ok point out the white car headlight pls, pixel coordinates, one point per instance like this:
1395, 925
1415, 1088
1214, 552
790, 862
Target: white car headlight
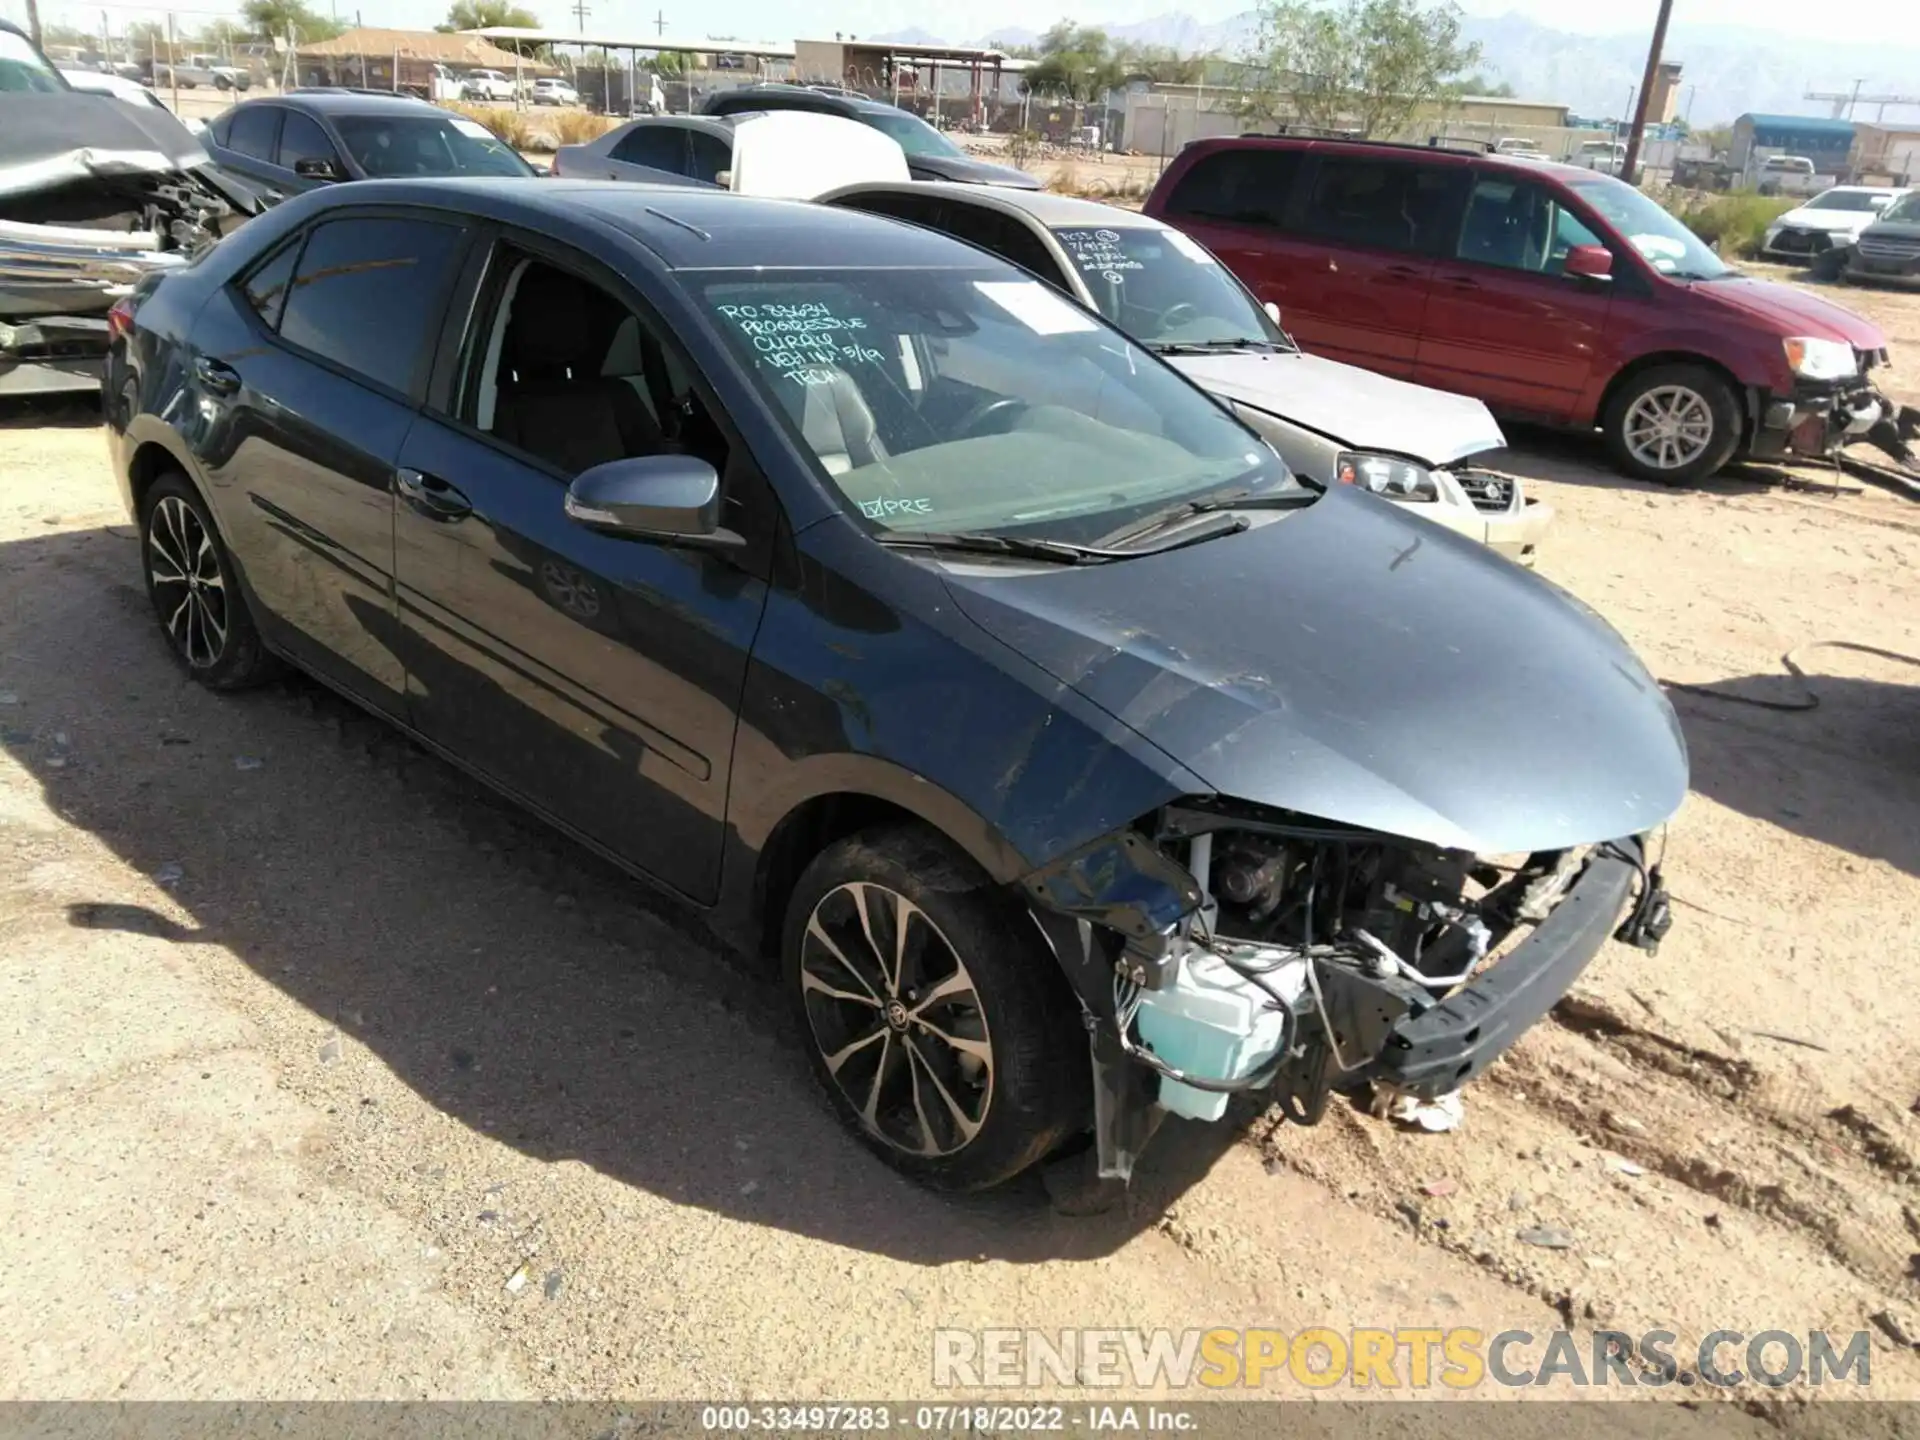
1812, 359
1385, 475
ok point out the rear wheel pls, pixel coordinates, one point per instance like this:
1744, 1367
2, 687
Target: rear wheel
936, 1020
1674, 424
195, 595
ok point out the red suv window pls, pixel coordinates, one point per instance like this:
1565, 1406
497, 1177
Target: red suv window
1244, 186
1388, 205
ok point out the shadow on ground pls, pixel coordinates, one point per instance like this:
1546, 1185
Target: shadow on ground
514, 981
1846, 774
1571, 457
38, 412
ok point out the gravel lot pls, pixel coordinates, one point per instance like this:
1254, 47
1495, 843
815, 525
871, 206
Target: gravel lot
326, 1075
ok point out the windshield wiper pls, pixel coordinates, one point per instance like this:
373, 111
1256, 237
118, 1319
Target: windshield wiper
1210, 347
981, 542
1186, 510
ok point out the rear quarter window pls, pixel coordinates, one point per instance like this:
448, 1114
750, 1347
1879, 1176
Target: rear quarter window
1241, 186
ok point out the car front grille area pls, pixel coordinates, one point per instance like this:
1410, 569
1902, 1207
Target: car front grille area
1879, 248
1802, 242
1487, 491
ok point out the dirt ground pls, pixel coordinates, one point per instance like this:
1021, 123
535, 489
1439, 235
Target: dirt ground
325, 1075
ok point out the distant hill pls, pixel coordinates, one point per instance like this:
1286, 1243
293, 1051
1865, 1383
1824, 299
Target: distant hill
1729, 70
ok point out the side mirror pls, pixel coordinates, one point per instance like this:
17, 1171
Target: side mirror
674, 499
723, 178
1589, 262
1273, 313
316, 168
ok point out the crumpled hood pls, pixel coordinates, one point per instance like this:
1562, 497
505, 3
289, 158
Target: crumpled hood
1792, 312
969, 171
1348, 405
1354, 662
47, 141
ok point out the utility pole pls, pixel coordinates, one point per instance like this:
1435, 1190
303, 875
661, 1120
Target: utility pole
1638, 133
580, 12
659, 22
33, 24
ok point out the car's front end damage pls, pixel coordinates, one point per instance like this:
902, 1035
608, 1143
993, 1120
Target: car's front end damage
94, 195
1221, 947
1819, 417
1408, 793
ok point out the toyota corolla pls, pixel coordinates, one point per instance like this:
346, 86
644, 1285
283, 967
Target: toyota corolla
1078, 763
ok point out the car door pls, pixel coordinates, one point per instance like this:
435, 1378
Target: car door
245, 143
1374, 222
306, 371
1504, 322
596, 678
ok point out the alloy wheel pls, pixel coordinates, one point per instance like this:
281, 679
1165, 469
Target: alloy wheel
1669, 427
190, 591
897, 1020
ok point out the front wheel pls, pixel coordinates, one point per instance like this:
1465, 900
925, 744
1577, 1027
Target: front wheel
195, 593
934, 1016
1674, 424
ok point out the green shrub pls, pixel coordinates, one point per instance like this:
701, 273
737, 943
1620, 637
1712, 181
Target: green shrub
1735, 223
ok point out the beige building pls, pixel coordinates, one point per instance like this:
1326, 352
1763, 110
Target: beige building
1663, 104
1890, 152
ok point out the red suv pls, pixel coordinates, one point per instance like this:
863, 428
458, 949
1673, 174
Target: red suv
1551, 293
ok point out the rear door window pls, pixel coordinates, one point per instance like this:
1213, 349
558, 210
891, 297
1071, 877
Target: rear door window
1243, 187
707, 156
1382, 204
253, 131
1004, 236
266, 288
367, 294
658, 147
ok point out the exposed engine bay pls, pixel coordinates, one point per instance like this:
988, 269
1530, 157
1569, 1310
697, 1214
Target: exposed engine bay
94, 194
1310, 959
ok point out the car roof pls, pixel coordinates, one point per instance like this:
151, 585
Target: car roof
793, 96
1052, 211
348, 102
1403, 150
687, 229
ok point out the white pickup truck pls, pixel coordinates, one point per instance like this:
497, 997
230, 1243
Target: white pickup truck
197, 70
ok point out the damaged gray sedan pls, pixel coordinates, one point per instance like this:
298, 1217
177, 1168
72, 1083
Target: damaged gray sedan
94, 194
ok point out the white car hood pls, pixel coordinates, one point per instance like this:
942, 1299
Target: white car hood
1807, 218
799, 155
1350, 406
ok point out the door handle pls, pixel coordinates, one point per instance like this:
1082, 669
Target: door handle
431, 496
1403, 272
1463, 282
216, 375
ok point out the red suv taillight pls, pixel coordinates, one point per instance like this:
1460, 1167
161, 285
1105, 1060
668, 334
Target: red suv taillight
120, 318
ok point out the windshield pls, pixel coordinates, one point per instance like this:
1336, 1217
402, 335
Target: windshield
979, 400
1663, 242
23, 69
390, 145
1164, 288
1847, 200
1906, 208
910, 132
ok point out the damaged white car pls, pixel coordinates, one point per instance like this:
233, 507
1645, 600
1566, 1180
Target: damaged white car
94, 194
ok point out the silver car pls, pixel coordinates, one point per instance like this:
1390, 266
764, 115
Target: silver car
1332, 423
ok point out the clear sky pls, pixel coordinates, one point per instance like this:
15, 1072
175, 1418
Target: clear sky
1896, 22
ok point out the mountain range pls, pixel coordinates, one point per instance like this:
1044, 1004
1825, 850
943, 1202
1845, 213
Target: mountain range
1728, 71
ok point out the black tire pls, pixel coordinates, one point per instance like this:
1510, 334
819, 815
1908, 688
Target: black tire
1692, 391
974, 970
202, 612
